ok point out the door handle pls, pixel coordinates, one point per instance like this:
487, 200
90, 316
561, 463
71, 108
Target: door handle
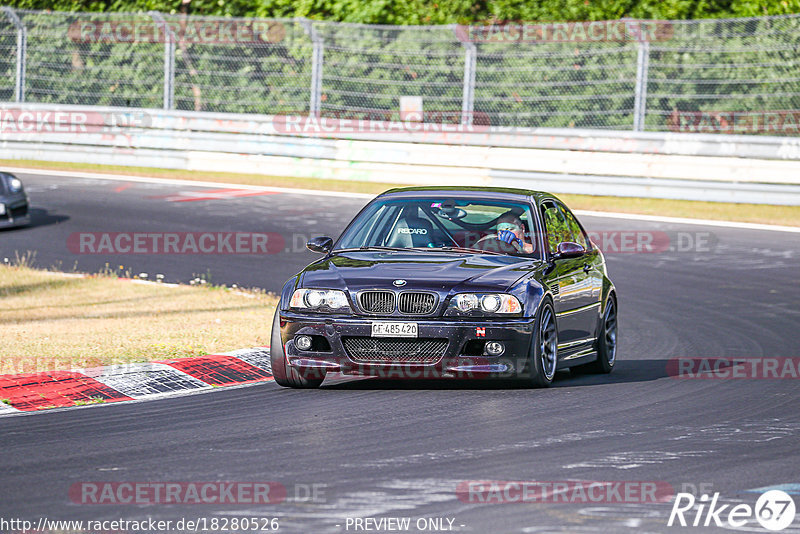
587, 267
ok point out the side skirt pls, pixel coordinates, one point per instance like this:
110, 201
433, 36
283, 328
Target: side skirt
579, 358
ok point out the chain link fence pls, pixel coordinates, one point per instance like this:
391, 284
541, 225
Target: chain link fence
729, 76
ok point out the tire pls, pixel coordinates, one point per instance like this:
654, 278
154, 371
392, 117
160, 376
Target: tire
286, 375
606, 343
543, 354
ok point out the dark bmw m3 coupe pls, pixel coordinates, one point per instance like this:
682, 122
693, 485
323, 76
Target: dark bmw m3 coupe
13, 202
449, 282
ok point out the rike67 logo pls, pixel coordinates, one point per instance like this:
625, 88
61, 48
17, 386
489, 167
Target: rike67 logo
774, 510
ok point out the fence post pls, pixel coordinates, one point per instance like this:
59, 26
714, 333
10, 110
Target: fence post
317, 61
169, 60
22, 52
468, 91
640, 91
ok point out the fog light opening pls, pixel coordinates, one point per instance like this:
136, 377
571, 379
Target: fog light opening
302, 342
494, 348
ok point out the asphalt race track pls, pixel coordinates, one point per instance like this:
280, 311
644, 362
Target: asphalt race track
63, 207
384, 448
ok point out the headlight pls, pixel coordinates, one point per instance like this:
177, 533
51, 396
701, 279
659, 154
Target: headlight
479, 304
15, 185
466, 302
330, 300
2, 209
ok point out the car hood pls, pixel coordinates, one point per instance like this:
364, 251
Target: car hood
423, 270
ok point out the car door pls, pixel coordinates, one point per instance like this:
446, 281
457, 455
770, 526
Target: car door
591, 265
575, 303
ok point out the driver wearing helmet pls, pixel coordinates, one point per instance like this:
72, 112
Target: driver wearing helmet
510, 230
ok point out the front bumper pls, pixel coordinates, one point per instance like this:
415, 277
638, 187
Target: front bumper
462, 358
16, 212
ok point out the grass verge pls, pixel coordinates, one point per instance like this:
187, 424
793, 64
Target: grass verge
55, 321
718, 211
753, 213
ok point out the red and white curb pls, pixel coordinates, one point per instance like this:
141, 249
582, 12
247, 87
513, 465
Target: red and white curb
31, 392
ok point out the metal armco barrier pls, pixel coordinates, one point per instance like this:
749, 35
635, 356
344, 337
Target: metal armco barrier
725, 168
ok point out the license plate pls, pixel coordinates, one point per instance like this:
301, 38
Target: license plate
381, 329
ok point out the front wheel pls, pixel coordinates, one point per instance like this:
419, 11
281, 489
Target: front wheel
543, 354
284, 374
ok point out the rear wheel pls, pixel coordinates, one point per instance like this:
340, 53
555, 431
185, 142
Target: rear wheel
285, 375
543, 354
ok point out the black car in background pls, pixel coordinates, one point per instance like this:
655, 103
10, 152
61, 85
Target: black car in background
13, 202
449, 282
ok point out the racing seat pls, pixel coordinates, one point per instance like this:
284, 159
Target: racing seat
411, 231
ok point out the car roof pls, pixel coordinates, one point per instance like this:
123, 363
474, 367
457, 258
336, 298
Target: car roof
504, 193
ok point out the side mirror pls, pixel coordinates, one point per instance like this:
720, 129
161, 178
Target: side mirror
568, 249
323, 244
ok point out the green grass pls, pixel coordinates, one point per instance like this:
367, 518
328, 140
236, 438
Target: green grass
94, 400
720, 211
52, 321
753, 213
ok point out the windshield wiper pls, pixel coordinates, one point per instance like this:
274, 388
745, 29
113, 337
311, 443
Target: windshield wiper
467, 249
419, 249
375, 247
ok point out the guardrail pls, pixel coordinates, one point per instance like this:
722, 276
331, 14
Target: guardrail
725, 168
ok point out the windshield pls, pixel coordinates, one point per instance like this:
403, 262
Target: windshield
445, 223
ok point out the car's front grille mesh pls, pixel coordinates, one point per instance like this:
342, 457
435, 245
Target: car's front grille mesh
377, 301
394, 350
417, 303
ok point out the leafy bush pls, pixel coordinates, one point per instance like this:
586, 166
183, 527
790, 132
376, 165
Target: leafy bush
440, 12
